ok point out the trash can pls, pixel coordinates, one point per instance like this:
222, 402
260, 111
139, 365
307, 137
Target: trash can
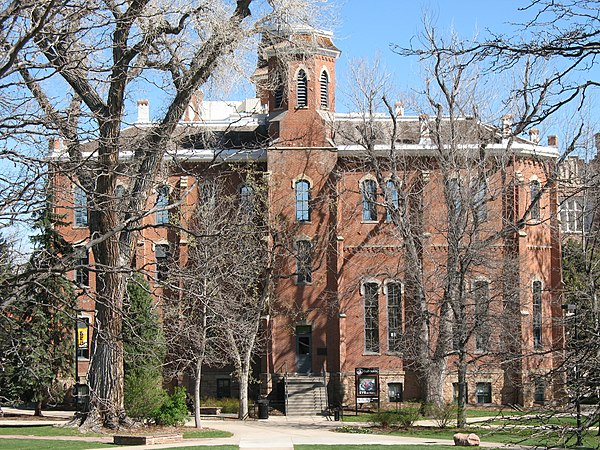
336, 414
263, 408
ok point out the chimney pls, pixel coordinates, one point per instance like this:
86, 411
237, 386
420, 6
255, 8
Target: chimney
507, 121
192, 112
399, 106
597, 142
424, 138
552, 140
143, 111
534, 135
55, 145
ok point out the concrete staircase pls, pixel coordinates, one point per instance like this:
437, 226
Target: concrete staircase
306, 395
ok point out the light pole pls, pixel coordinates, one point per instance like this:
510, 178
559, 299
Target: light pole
571, 310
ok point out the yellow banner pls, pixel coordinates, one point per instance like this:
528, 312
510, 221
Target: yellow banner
82, 337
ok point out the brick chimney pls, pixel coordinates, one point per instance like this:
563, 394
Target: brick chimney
192, 112
55, 145
143, 111
597, 142
425, 138
399, 107
507, 121
534, 135
553, 141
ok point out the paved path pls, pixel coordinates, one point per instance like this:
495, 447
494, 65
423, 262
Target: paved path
275, 433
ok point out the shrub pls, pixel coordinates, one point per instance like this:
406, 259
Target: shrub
403, 418
144, 393
443, 414
173, 411
228, 405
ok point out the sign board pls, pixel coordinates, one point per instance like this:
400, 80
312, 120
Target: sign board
366, 381
82, 335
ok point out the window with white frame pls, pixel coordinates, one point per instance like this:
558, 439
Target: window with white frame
80, 207
392, 199
162, 202
302, 192
572, 217
394, 313
246, 200
371, 295
369, 200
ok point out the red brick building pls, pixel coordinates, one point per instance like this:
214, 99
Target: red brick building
346, 302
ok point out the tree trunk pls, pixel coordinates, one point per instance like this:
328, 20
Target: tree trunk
38, 409
434, 382
244, 376
461, 414
198, 375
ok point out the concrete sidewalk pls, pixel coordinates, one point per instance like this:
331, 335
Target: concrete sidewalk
275, 433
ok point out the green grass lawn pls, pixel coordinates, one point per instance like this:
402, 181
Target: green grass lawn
206, 434
472, 413
45, 430
48, 444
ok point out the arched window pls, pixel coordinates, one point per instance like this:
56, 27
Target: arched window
393, 292
162, 201
324, 80
480, 201
302, 188
246, 199
391, 199
371, 305
301, 90
369, 198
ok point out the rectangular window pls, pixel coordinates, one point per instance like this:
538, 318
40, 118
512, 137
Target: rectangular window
392, 200
539, 395
394, 306
371, 291
82, 267
80, 209
395, 392
572, 215
303, 261
537, 315
162, 202
481, 292
223, 388
483, 393
162, 261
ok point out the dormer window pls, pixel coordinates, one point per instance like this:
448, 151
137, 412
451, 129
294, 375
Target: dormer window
301, 89
324, 81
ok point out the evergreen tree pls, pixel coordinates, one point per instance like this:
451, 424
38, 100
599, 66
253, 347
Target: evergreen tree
144, 346
38, 346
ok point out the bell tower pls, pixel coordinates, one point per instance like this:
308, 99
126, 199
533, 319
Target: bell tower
296, 78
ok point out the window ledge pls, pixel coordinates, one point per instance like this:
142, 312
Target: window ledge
369, 221
80, 226
371, 354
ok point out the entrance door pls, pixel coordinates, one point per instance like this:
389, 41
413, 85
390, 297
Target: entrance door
303, 346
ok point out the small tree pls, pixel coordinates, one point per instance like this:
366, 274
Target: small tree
144, 345
38, 351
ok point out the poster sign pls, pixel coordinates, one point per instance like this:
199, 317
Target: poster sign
82, 335
367, 385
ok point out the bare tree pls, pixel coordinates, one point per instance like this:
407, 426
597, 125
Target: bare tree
453, 198
99, 54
